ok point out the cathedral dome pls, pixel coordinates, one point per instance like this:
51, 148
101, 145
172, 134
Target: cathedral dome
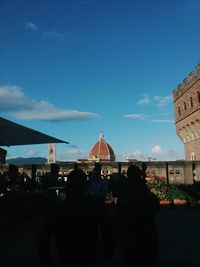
101, 151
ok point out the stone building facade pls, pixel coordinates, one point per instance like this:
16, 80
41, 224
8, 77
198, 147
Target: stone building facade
187, 114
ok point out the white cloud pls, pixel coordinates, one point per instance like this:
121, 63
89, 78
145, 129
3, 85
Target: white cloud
162, 101
53, 34
144, 101
146, 117
76, 152
163, 121
136, 116
73, 155
157, 150
31, 153
136, 154
13, 100
162, 154
158, 101
31, 26
53, 114
155, 153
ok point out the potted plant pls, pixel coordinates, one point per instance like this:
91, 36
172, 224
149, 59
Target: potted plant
159, 186
169, 194
178, 196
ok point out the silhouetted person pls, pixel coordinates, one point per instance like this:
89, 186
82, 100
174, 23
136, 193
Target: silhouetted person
3, 184
82, 229
117, 182
137, 208
98, 186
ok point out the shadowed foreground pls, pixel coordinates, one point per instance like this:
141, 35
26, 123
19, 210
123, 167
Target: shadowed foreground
178, 233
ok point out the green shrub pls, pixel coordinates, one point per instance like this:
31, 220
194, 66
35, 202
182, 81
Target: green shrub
174, 192
163, 190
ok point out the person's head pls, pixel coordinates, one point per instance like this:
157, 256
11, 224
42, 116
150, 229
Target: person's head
97, 168
134, 172
96, 172
77, 182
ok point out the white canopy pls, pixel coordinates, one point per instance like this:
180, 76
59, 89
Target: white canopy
13, 134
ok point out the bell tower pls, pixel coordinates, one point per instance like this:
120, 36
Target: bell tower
187, 114
51, 153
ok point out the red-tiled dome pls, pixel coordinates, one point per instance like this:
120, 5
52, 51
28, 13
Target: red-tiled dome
101, 151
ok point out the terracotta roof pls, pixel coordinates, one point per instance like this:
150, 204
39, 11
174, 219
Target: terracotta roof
102, 151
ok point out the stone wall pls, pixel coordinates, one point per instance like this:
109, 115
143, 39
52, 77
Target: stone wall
175, 172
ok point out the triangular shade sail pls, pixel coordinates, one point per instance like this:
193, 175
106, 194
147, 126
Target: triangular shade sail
13, 134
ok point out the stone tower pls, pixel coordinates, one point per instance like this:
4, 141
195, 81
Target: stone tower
187, 114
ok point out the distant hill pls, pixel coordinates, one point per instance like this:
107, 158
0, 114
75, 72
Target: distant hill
31, 160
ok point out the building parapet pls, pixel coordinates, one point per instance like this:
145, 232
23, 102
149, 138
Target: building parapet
187, 82
174, 172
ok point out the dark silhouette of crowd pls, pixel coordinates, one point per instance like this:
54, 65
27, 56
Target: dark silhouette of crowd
83, 231
81, 226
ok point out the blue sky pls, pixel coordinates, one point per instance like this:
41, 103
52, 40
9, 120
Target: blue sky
73, 69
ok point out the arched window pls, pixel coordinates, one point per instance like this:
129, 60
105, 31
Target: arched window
198, 96
179, 111
192, 156
185, 107
191, 102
